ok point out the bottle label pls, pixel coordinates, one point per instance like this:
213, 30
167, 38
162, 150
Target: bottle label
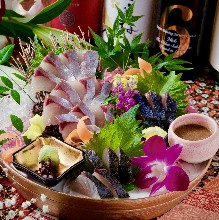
175, 38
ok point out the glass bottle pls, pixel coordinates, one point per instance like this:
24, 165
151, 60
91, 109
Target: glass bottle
214, 53
145, 24
181, 30
79, 16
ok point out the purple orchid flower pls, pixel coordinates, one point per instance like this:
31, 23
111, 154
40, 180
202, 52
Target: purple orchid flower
157, 168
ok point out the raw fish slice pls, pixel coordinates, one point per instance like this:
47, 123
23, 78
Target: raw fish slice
43, 81
67, 123
59, 101
66, 128
90, 64
145, 107
74, 66
111, 162
90, 90
111, 182
97, 84
107, 109
170, 106
125, 167
94, 160
59, 65
54, 106
103, 191
105, 91
155, 101
96, 108
72, 95
50, 112
86, 111
48, 67
39, 71
79, 87
82, 185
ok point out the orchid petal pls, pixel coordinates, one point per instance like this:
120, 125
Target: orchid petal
157, 186
141, 162
173, 153
146, 183
143, 179
176, 179
155, 147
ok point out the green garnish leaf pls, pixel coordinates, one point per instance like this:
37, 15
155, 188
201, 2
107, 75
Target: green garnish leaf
7, 82
17, 123
171, 63
4, 141
19, 76
159, 83
5, 53
129, 187
124, 133
2, 131
16, 96
3, 89
40, 53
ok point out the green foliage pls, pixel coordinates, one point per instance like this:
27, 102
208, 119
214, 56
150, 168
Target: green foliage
48, 13
124, 133
17, 26
15, 95
40, 53
159, 83
119, 52
17, 123
5, 53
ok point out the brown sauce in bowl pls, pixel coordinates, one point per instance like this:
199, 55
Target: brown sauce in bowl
192, 132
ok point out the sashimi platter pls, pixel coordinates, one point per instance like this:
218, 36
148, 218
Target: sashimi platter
103, 130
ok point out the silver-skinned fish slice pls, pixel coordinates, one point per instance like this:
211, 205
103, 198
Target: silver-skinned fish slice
111, 162
82, 186
54, 106
94, 159
67, 123
125, 167
43, 80
111, 182
104, 192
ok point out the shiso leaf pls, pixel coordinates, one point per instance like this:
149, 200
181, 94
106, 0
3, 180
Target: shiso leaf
17, 123
159, 83
124, 133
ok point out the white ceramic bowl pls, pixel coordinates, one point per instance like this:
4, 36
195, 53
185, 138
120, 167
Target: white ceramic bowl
199, 150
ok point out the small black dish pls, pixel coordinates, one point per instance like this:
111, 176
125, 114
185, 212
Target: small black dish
71, 160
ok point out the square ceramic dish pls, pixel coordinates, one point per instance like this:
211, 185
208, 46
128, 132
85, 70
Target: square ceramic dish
71, 160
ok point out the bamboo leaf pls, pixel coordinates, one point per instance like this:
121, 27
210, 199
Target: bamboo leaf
17, 123
11, 13
47, 14
6, 53
16, 96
